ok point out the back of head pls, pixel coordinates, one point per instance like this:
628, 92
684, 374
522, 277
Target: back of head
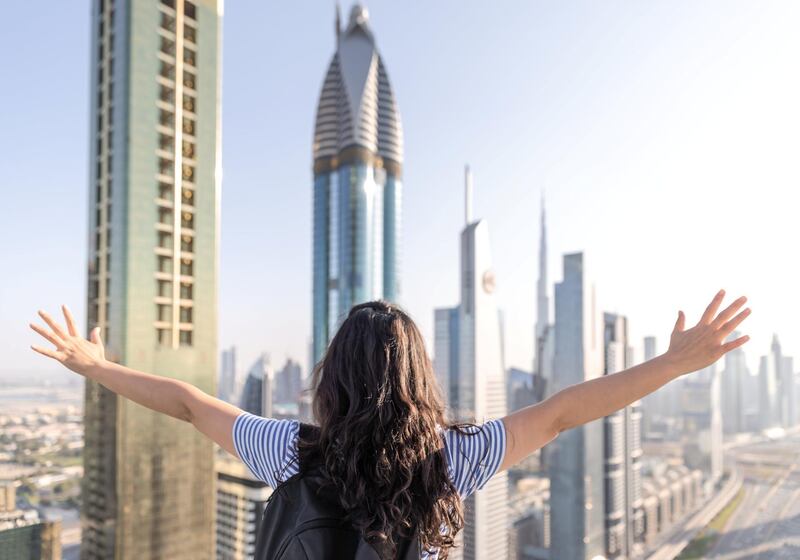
379, 408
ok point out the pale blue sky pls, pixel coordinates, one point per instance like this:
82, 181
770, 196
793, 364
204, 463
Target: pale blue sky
665, 134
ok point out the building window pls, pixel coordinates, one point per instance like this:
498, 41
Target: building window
164, 191
186, 338
189, 10
188, 149
187, 291
170, 3
189, 33
164, 337
165, 240
187, 172
167, 22
187, 244
164, 288
188, 103
166, 93
166, 143
187, 220
167, 46
163, 312
188, 126
188, 79
165, 216
167, 70
187, 267
187, 196
166, 118
189, 57
166, 166
164, 263
186, 314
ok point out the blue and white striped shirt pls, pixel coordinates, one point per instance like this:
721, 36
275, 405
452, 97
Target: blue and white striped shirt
269, 449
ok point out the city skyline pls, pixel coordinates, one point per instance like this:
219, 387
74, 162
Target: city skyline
556, 163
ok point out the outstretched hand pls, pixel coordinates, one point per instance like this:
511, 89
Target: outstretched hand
703, 344
71, 349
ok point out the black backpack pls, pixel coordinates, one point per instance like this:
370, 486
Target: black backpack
304, 521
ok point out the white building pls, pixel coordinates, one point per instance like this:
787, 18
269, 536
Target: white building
474, 380
734, 390
241, 500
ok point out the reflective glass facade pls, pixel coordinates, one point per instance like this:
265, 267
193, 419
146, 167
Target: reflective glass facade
356, 231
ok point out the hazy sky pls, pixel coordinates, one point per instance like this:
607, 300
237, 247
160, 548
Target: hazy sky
666, 136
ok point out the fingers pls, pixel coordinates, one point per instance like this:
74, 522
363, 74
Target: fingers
728, 327
53, 325
48, 335
712, 308
71, 328
49, 353
94, 336
729, 311
733, 344
680, 323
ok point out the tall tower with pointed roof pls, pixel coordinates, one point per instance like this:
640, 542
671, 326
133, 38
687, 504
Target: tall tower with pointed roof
358, 157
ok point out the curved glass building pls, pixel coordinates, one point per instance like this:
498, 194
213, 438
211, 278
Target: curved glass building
358, 156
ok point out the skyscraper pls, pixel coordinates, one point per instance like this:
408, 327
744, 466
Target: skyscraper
258, 388
469, 360
358, 157
227, 376
787, 398
148, 485
544, 346
768, 399
734, 390
575, 462
241, 500
623, 451
702, 419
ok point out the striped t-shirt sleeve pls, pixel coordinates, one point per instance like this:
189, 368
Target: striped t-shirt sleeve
267, 446
475, 456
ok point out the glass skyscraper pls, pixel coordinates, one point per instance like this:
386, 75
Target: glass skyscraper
148, 485
358, 156
575, 461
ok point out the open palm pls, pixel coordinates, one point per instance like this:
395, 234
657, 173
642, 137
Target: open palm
703, 344
71, 349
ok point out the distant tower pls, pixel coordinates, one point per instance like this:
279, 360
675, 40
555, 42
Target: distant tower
258, 388
623, 451
468, 361
734, 390
768, 409
542, 301
575, 462
227, 375
787, 398
358, 157
702, 421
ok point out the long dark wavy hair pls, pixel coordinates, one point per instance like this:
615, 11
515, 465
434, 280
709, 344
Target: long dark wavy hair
379, 407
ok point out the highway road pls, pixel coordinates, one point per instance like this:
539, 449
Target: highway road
766, 525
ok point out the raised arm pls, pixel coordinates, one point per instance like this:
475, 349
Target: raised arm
689, 350
211, 416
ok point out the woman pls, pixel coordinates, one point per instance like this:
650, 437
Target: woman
395, 461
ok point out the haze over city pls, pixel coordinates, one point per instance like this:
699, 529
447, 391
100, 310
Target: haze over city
662, 134
225, 193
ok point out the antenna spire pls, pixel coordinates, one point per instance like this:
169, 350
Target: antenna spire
338, 23
467, 195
